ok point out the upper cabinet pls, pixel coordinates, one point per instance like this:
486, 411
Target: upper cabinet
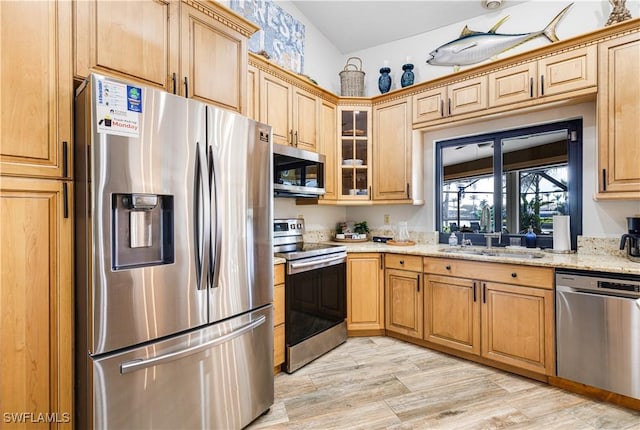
392, 150
36, 89
618, 114
327, 145
555, 74
461, 97
193, 48
354, 153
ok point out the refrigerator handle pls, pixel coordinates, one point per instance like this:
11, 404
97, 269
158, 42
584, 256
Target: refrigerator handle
138, 364
201, 227
216, 236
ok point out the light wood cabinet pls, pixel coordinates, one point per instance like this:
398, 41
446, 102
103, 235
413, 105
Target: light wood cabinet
328, 146
253, 93
354, 153
36, 89
502, 312
291, 112
36, 303
458, 98
403, 298
555, 74
452, 313
365, 294
618, 114
278, 316
192, 48
392, 150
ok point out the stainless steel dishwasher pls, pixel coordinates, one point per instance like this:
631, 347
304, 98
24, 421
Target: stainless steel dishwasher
598, 330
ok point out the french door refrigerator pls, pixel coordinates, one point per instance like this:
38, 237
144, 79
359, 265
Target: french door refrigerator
173, 262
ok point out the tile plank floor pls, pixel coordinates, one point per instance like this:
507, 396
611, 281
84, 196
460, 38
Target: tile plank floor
384, 383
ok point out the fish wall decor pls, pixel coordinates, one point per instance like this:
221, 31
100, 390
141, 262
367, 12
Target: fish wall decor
476, 46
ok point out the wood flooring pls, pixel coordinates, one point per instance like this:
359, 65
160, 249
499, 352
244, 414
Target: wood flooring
384, 383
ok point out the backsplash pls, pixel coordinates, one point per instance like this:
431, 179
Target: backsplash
600, 246
421, 237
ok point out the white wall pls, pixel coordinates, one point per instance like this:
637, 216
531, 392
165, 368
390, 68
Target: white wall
316, 217
583, 17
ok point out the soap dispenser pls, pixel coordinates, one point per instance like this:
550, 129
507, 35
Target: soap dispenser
453, 240
530, 238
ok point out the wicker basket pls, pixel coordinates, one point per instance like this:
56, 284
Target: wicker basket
352, 81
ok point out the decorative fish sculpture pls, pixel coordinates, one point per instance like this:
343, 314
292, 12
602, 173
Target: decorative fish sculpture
476, 46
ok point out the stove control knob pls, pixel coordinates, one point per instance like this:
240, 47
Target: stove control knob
299, 226
292, 226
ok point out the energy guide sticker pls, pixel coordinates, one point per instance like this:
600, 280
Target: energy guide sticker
118, 108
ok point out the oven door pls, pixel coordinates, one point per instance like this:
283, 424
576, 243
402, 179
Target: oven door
315, 306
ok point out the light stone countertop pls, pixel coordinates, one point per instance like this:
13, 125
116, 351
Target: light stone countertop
279, 260
603, 263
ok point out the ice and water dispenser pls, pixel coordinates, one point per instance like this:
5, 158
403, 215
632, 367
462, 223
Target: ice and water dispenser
142, 230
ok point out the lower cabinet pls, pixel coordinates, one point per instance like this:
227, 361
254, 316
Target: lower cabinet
365, 294
278, 316
403, 295
511, 323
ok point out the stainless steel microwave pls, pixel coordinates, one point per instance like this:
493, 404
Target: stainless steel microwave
297, 173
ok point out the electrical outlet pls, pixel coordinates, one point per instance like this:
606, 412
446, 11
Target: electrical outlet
387, 219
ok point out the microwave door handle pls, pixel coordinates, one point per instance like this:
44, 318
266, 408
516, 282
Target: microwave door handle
216, 236
141, 363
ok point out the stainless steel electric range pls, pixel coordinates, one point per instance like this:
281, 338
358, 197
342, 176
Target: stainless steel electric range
315, 294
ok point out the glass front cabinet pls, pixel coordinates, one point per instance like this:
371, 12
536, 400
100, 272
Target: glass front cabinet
355, 153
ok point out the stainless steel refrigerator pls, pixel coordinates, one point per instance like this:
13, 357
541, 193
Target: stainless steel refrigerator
173, 261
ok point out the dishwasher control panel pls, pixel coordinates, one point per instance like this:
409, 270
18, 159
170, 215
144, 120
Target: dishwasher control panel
600, 283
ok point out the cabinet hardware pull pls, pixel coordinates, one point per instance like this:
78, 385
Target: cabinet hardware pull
514, 275
408, 195
418, 282
382, 262
604, 179
441, 107
474, 291
542, 85
448, 267
174, 79
370, 193
65, 161
296, 135
531, 87
65, 200
484, 292
401, 261
186, 87
290, 137
449, 107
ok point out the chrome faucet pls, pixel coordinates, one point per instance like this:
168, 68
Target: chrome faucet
490, 236
465, 242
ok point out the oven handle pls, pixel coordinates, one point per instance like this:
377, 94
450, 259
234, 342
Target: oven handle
306, 266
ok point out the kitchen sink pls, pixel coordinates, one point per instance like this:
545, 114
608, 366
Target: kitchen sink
495, 252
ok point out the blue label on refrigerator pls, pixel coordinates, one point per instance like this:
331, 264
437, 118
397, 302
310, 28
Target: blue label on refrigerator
134, 99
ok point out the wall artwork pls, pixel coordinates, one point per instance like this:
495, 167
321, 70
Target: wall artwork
281, 35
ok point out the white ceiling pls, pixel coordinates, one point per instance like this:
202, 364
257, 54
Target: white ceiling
353, 25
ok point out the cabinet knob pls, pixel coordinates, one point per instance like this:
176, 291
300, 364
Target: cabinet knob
401, 261
448, 267
514, 275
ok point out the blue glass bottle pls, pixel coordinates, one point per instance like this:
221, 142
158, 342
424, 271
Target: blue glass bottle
384, 81
407, 75
530, 238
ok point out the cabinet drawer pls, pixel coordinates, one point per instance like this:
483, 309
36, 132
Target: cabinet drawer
540, 277
278, 345
278, 304
278, 274
403, 262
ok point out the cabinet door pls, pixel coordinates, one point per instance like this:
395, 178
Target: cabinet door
355, 153
514, 84
568, 71
136, 39
467, 96
618, 113
517, 326
275, 108
35, 298
35, 88
214, 60
365, 292
403, 302
429, 105
392, 150
305, 120
253, 93
328, 146
452, 313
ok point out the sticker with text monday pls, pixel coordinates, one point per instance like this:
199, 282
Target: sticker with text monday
118, 108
